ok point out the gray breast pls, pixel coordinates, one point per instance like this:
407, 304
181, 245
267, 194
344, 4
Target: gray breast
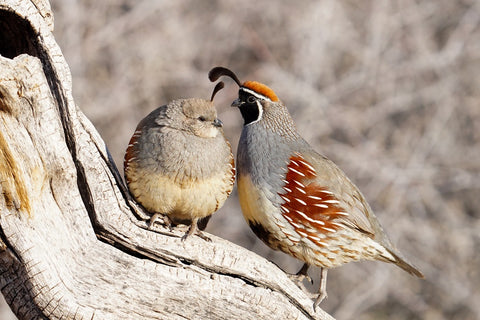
177, 153
264, 156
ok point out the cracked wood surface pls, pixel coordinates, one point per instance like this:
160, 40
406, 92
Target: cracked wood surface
72, 244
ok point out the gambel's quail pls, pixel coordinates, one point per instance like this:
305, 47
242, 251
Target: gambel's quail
295, 199
179, 164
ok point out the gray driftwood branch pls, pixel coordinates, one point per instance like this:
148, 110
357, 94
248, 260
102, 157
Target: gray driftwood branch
72, 245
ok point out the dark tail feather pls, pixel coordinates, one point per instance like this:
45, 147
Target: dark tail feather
202, 223
407, 266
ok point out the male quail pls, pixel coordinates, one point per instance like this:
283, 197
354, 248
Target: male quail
295, 199
178, 162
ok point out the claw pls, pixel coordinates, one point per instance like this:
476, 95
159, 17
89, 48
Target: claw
301, 275
157, 217
194, 230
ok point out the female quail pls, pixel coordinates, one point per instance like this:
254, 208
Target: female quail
178, 162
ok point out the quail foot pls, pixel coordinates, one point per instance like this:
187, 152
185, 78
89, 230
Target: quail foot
179, 164
295, 199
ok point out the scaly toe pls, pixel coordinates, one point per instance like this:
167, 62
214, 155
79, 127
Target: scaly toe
156, 217
299, 277
194, 230
199, 234
321, 296
204, 236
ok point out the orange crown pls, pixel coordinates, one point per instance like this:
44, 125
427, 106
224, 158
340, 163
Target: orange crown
260, 88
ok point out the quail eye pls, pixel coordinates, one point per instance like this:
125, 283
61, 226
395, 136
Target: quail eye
251, 99
202, 118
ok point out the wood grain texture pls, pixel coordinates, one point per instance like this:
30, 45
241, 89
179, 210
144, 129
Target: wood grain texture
72, 243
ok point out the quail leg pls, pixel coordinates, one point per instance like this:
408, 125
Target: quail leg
194, 230
157, 217
301, 275
322, 291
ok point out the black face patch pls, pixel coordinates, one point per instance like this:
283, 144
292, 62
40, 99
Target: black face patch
249, 108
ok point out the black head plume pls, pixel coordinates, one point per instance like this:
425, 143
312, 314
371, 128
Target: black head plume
217, 72
217, 88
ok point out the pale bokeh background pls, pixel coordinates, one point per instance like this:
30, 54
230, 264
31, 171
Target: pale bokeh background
389, 90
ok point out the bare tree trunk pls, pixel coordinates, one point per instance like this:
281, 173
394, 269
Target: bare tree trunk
72, 245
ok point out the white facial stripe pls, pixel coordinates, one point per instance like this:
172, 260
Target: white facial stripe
256, 94
260, 112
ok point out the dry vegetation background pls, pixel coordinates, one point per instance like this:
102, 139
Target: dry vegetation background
389, 90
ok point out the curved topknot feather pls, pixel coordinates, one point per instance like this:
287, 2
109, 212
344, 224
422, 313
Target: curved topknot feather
217, 72
217, 88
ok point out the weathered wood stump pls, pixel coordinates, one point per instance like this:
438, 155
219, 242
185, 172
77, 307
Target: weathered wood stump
72, 243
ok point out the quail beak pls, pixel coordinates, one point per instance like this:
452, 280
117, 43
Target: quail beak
217, 123
237, 103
